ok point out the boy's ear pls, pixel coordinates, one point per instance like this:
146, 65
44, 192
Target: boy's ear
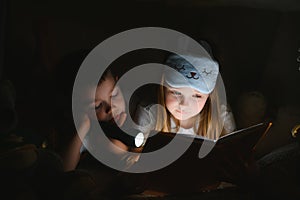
117, 78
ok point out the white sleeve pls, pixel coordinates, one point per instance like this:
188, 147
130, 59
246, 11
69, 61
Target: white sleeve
145, 118
227, 116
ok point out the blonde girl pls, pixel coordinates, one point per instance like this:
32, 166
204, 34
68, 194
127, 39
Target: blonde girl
190, 97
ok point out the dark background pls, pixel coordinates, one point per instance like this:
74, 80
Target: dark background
256, 43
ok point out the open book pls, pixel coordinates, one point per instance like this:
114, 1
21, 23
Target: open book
190, 171
249, 136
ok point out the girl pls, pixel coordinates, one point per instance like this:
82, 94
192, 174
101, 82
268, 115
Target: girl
191, 102
190, 97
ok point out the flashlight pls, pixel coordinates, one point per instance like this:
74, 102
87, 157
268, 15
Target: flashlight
129, 136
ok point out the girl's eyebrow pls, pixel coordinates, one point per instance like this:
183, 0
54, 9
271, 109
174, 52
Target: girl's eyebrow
196, 92
173, 90
170, 88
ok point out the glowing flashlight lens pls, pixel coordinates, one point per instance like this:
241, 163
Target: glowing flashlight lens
139, 139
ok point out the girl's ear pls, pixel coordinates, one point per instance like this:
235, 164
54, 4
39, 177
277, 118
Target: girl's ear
117, 78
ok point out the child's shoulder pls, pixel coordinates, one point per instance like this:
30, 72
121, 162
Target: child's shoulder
145, 116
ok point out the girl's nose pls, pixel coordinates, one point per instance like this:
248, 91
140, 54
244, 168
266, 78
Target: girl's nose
182, 101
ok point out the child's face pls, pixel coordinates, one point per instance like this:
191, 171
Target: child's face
109, 100
184, 103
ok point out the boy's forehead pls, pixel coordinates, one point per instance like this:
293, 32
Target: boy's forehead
107, 83
106, 75
99, 91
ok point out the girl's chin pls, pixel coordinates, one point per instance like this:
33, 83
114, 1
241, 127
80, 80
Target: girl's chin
180, 118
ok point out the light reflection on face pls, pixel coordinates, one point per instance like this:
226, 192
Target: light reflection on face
184, 103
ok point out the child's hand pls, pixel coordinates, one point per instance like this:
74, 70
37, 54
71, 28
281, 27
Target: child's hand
130, 159
122, 150
118, 147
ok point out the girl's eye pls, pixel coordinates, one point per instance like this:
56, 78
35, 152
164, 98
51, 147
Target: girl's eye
115, 93
98, 106
197, 96
176, 93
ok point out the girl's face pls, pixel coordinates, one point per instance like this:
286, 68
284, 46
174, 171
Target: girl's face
109, 101
184, 103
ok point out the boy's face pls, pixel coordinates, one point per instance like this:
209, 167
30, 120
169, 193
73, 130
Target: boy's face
184, 103
109, 101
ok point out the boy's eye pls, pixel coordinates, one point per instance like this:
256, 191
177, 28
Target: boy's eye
98, 106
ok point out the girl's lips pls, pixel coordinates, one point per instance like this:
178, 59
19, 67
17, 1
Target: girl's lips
180, 111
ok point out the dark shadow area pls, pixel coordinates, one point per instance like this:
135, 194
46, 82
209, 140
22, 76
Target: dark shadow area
257, 47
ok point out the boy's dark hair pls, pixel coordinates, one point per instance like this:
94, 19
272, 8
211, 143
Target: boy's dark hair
105, 74
64, 78
66, 71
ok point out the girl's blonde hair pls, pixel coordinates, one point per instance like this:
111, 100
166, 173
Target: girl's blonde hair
209, 122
